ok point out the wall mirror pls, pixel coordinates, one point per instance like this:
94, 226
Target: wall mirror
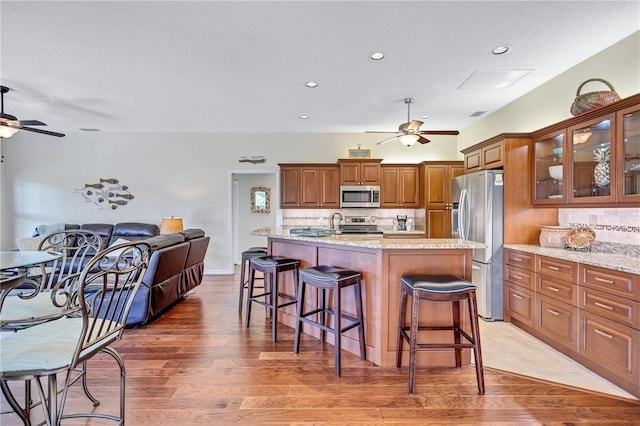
260, 199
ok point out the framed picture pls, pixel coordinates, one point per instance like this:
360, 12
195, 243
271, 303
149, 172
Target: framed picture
359, 153
260, 199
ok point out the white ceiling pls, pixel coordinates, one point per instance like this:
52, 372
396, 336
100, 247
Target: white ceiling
241, 66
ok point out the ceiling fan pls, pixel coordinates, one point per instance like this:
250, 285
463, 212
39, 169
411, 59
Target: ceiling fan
9, 124
410, 133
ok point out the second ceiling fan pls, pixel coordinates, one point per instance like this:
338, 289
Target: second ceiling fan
409, 133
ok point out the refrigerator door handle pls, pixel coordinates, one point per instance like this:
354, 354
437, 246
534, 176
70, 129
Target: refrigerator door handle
475, 268
462, 214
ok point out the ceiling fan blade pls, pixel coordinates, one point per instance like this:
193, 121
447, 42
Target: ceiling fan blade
439, 132
414, 125
44, 132
387, 140
423, 140
31, 123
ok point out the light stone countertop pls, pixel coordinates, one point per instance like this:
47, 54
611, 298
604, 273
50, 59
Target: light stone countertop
614, 261
373, 242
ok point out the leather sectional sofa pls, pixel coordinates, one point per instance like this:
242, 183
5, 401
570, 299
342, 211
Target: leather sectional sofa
176, 265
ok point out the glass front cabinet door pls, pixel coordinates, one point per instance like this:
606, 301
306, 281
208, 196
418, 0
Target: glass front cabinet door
592, 179
628, 160
549, 169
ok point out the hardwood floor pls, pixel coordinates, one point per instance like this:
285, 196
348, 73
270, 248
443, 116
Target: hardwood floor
198, 364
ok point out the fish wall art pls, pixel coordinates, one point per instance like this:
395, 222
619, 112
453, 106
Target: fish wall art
106, 193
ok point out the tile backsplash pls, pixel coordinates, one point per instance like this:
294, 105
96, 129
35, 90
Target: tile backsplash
617, 230
319, 218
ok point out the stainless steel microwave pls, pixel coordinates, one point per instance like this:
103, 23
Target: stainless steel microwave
359, 196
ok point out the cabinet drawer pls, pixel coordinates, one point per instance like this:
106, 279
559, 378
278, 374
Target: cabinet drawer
558, 289
612, 307
520, 303
519, 276
520, 259
557, 320
563, 269
611, 281
613, 346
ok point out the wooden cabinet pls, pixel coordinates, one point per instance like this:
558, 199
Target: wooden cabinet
590, 313
309, 186
484, 157
599, 155
359, 171
399, 186
628, 154
437, 195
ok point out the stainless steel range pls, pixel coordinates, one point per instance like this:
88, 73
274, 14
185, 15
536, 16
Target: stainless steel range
360, 225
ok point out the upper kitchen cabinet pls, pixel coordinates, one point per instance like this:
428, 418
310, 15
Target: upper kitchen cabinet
309, 186
548, 169
359, 171
484, 156
400, 186
590, 160
438, 198
591, 148
628, 154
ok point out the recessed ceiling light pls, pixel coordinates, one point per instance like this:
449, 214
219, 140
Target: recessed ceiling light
304, 117
88, 129
500, 50
312, 84
376, 56
424, 117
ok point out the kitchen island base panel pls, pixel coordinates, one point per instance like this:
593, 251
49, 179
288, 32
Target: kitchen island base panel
381, 270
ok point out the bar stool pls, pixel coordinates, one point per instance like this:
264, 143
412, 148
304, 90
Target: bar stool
271, 266
333, 279
438, 288
247, 255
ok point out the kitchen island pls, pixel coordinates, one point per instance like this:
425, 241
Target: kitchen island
382, 261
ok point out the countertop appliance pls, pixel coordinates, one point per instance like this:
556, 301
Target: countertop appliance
367, 196
361, 225
402, 222
478, 211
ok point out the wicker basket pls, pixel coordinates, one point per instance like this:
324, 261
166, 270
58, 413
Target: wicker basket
554, 236
593, 100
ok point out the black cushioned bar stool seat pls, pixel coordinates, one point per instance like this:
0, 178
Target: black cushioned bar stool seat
271, 266
333, 279
247, 255
438, 288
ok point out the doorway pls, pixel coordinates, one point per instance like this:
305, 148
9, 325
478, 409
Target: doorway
243, 220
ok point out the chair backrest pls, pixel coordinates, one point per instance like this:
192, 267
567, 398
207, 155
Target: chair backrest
77, 248
106, 289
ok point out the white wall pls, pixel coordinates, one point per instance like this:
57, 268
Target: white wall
550, 103
248, 221
185, 175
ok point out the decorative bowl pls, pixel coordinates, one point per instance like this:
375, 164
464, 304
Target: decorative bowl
556, 172
554, 236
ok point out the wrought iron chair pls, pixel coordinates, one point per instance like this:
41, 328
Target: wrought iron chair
44, 295
104, 294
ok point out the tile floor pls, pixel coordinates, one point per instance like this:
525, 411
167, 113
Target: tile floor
506, 347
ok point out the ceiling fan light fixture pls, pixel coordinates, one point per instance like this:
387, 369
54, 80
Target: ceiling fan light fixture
409, 140
6, 131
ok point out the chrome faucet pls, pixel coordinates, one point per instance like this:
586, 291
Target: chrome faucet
332, 217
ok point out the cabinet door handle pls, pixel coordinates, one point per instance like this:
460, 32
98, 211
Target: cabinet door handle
517, 296
603, 280
603, 306
554, 289
517, 259
517, 277
602, 333
553, 268
553, 312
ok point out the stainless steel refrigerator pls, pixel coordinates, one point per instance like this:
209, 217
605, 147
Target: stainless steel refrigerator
478, 210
